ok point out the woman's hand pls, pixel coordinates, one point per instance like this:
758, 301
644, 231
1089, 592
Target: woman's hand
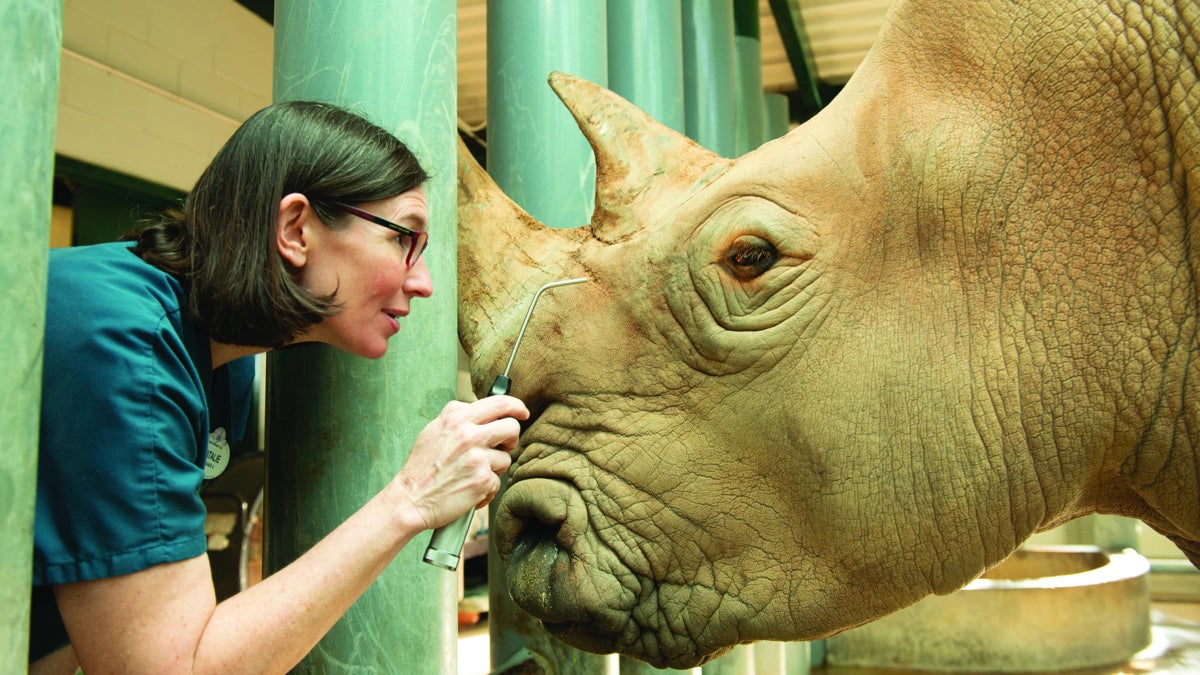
458, 458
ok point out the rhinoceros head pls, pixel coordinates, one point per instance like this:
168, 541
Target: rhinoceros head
856, 366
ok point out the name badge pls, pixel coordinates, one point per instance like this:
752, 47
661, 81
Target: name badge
218, 454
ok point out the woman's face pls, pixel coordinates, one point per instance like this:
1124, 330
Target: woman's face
365, 263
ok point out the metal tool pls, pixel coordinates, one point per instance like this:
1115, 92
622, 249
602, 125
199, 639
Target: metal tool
446, 544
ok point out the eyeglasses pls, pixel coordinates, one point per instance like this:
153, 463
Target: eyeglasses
416, 240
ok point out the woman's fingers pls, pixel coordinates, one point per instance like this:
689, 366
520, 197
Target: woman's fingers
497, 419
457, 460
495, 407
503, 434
493, 490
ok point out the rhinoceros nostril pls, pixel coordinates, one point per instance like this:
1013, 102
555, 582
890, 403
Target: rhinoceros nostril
532, 533
532, 514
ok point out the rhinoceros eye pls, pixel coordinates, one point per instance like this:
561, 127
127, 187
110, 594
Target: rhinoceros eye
750, 257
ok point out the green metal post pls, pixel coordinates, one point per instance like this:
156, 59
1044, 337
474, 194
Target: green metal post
645, 57
748, 60
710, 92
29, 56
536, 153
339, 426
538, 156
776, 108
799, 657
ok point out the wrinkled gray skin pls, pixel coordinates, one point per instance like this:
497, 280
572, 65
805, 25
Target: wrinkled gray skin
861, 364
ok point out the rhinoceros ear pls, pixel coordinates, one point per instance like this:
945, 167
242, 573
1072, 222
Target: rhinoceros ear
631, 149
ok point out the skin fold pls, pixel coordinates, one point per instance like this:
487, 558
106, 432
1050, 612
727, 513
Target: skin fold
861, 364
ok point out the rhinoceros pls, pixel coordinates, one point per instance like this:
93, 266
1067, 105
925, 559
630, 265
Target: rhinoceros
859, 365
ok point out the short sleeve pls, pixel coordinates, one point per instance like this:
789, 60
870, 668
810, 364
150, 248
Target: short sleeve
123, 423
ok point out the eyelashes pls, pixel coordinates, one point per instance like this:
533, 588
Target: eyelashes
750, 257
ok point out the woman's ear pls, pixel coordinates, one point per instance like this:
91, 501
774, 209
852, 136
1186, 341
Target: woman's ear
291, 233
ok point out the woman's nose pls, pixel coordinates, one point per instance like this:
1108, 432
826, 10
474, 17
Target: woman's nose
418, 282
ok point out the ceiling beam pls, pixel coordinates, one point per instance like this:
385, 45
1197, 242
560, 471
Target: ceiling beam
795, 43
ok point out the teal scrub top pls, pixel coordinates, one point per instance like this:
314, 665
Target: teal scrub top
130, 404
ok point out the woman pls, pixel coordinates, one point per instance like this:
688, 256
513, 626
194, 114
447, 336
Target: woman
308, 226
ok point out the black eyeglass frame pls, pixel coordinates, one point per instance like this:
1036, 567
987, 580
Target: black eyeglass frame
419, 239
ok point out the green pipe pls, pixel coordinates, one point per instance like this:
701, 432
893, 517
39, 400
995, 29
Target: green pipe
799, 657
29, 56
790, 23
645, 57
709, 75
751, 116
748, 59
339, 427
536, 153
775, 107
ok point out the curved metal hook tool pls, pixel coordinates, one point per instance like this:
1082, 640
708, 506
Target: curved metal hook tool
502, 384
446, 544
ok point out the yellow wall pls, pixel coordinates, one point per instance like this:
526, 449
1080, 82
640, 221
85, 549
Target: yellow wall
152, 88
61, 219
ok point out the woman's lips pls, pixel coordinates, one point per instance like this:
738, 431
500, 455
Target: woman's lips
393, 320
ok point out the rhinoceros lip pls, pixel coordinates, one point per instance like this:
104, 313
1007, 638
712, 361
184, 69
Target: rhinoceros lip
532, 511
545, 572
583, 636
536, 530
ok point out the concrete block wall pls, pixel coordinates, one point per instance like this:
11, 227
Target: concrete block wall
152, 88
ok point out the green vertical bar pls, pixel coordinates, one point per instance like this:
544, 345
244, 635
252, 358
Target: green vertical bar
536, 153
709, 75
645, 57
749, 82
538, 156
29, 56
775, 106
339, 426
798, 657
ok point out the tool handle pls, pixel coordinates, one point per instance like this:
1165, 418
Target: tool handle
446, 544
500, 386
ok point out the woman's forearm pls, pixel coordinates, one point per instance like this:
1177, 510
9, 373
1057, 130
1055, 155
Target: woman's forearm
272, 625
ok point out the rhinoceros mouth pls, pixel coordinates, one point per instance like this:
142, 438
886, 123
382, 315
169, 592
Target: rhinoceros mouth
560, 571
584, 636
538, 528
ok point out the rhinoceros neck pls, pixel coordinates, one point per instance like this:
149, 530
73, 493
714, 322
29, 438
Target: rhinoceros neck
1163, 470
1078, 145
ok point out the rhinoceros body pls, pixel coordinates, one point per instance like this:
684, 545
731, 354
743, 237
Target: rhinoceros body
861, 364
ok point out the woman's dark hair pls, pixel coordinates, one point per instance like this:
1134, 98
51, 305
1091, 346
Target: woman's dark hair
222, 245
